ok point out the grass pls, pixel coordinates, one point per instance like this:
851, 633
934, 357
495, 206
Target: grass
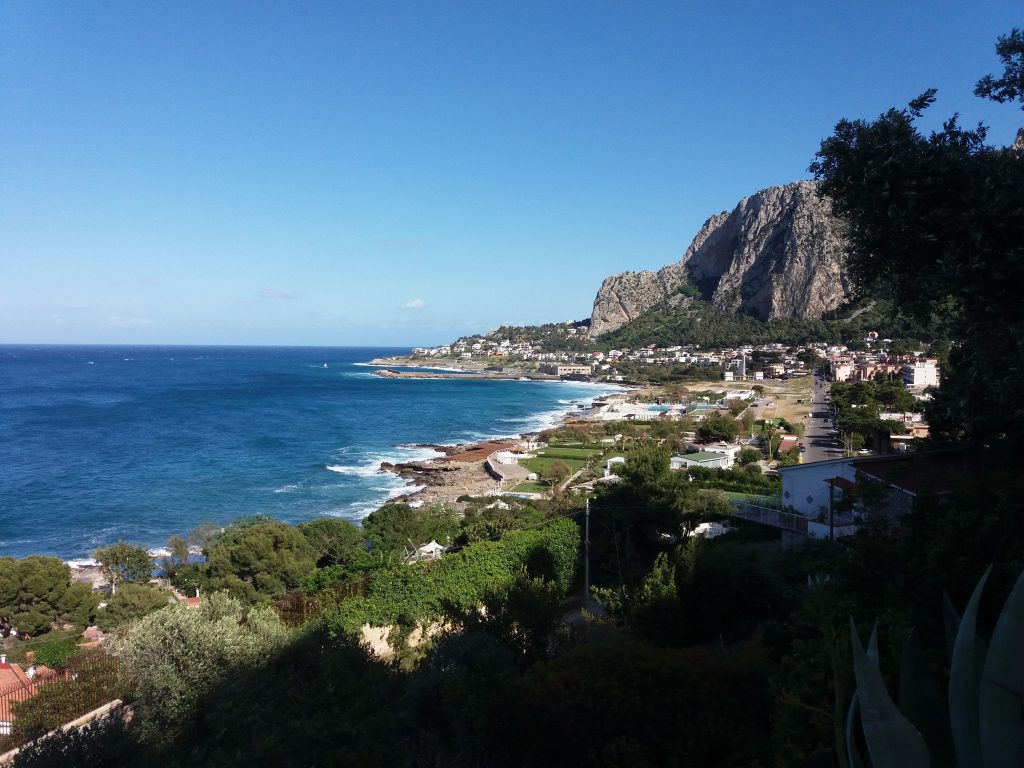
531, 486
16, 649
540, 464
569, 453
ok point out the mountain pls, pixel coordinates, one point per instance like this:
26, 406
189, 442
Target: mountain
777, 254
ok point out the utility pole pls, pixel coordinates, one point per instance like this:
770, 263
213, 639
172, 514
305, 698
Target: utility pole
586, 553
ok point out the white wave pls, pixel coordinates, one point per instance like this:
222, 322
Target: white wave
405, 490
365, 470
84, 562
288, 488
158, 552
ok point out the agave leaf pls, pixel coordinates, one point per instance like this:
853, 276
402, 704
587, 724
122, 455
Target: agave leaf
853, 758
951, 621
892, 740
872, 651
921, 703
1001, 698
964, 678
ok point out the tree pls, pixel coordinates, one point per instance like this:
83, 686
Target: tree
130, 602
337, 543
36, 592
123, 562
259, 558
936, 222
718, 427
1009, 87
177, 557
555, 473
395, 527
748, 456
176, 656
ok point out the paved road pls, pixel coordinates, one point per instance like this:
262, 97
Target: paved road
822, 440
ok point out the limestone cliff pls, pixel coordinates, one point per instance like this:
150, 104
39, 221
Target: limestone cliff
777, 254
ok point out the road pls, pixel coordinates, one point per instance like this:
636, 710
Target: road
822, 440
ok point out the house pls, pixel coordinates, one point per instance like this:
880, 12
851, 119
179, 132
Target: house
16, 685
705, 459
825, 492
729, 449
921, 374
614, 460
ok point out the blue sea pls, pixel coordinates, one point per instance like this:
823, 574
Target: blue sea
141, 443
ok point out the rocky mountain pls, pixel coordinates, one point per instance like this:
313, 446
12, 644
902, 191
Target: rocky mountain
777, 254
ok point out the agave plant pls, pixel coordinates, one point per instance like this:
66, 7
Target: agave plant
983, 724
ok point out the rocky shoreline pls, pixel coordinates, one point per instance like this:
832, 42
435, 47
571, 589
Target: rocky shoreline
460, 472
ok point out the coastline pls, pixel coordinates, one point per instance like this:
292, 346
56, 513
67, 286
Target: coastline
462, 470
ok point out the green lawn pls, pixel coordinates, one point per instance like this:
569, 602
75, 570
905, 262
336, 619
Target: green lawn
559, 452
540, 464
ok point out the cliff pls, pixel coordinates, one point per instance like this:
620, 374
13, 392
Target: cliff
777, 254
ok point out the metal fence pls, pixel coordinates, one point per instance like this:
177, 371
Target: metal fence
776, 518
51, 698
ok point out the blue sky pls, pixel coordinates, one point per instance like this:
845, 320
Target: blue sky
351, 173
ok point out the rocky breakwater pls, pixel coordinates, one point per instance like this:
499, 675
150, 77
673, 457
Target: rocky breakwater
461, 472
778, 253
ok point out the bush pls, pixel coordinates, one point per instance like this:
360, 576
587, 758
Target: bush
56, 652
409, 594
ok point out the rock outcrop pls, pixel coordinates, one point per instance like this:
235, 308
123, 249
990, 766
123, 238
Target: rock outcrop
777, 254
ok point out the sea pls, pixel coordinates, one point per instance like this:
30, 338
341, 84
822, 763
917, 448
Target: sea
102, 443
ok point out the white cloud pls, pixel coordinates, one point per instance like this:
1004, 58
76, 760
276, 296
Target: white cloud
415, 304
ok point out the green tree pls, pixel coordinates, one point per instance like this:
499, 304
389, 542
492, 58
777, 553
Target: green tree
123, 562
335, 541
555, 473
178, 655
256, 559
935, 221
1009, 87
748, 456
36, 592
718, 427
395, 527
130, 602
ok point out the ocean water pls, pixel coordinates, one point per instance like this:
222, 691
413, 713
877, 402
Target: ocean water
141, 443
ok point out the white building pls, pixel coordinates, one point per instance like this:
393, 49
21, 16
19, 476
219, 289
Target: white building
705, 459
921, 374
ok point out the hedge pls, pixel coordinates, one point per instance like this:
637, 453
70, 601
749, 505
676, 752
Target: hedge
411, 594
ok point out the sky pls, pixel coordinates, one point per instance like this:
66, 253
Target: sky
404, 173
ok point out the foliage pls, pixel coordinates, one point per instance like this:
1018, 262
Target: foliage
130, 602
716, 712
124, 563
556, 472
55, 653
257, 559
397, 527
410, 594
718, 426
1009, 87
178, 556
339, 545
523, 616
174, 656
936, 220
748, 456
36, 592
98, 745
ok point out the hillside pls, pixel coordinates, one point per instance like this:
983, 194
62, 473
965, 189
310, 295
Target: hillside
776, 255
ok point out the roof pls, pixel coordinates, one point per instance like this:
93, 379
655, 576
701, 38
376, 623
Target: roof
920, 473
703, 456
